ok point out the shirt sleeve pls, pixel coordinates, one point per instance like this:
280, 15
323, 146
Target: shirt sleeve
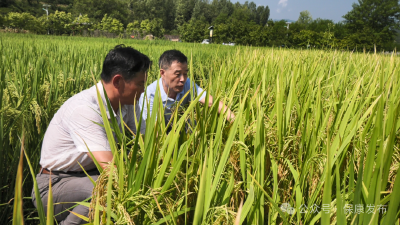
198, 91
86, 132
142, 103
146, 105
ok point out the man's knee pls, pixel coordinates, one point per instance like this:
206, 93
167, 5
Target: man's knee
79, 188
87, 185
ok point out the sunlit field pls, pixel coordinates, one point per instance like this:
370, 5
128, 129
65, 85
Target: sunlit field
315, 140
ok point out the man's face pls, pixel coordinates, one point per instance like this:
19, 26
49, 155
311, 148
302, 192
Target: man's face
132, 89
175, 76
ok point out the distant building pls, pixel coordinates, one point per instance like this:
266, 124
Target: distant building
172, 37
149, 37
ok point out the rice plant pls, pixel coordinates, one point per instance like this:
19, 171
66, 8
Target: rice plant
315, 139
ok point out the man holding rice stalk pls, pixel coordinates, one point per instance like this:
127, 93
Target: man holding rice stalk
75, 128
174, 85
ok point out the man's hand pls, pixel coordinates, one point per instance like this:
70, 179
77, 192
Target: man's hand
221, 108
102, 157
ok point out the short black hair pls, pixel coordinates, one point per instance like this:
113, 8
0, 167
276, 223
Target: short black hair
125, 61
170, 56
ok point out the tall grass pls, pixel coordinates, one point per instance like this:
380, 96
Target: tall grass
316, 134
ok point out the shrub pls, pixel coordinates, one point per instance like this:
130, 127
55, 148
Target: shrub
21, 21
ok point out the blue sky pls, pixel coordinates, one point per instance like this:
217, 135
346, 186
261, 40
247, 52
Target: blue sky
290, 9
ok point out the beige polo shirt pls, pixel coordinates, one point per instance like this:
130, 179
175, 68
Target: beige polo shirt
73, 125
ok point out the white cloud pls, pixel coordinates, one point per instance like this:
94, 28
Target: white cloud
283, 3
278, 10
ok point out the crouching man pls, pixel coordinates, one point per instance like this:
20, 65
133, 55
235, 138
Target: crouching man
74, 126
174, 84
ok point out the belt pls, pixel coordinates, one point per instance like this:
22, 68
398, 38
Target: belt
46, 171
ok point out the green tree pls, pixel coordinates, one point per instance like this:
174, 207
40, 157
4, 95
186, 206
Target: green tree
202, 11
60, 22
278, 33
2, 21
96, 9
241, 13
222, 18
15, 20
155, 9
6, 3
240, 26
241, 31
194, 31
365, 39
184, 10
223, 33
132, 27
305, 18
21, 21
340, 30
372, 22
319, 25
252, 7
258, 35
262, 15
397, 40
307, 38
328, 36
111, 25
116, 27
169, 15
138, 10
153, 27
218, 7
151, 9
80, 23
198, 10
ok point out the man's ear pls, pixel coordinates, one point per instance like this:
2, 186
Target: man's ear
117, 81
162, 72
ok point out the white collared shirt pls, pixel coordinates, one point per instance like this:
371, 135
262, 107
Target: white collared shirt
168, 103
74, 124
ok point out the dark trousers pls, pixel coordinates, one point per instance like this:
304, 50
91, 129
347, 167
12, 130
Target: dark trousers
67, 188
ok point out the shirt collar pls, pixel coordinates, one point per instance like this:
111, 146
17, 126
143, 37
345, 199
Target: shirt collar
103, 98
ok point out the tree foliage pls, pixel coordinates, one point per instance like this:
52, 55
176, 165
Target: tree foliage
372, 22
184, 9
133, 26
2, 21
22, 21
307, 38
80, 23
305, 18
110, 25
96, 9
153, 27
262, 15
320, 25
193, 31
60, 22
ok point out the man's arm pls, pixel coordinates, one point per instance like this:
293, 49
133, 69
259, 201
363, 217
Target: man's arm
221, 108
87, 134
102, 157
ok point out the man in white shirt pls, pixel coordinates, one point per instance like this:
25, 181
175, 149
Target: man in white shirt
74, 126
174, 84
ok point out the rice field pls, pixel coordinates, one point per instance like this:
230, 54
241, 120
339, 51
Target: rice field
315, 140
